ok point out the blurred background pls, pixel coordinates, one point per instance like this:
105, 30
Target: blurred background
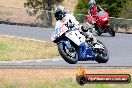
40, 12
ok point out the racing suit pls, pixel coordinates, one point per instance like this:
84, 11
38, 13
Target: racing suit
70, 21
93, 9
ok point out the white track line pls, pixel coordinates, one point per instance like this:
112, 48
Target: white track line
38, 60
23, 38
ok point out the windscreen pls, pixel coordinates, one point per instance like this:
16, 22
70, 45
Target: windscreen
102, 13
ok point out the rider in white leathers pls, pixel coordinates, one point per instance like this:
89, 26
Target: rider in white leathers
69, 20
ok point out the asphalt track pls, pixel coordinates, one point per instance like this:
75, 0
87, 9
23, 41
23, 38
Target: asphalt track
120, 48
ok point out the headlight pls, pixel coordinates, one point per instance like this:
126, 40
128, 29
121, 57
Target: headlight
105, 19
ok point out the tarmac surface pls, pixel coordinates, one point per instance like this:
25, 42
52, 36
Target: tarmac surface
119, 47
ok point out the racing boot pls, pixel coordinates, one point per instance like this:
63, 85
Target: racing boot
90, 38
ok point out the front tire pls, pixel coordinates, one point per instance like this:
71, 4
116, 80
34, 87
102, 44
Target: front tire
62, 48
104, 56
98, 31
111, 31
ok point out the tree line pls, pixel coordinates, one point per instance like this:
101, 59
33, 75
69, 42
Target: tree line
116, 8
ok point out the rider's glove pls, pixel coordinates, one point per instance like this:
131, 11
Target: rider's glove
84, 29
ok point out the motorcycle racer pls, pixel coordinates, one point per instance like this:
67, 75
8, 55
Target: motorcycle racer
69, 20
99, 19
93, 9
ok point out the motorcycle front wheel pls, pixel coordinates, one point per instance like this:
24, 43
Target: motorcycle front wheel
102, 57
70, 56
98, 31
111, 31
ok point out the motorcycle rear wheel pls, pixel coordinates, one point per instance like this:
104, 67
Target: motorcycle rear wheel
62, 48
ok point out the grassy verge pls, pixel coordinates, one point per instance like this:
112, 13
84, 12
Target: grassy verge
19, 49
54, 78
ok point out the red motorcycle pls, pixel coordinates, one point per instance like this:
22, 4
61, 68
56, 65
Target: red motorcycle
100, 20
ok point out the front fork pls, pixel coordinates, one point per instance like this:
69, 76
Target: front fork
101, 28
67, 43
86, 53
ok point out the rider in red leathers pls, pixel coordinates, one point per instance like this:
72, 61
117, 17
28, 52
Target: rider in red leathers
93, 9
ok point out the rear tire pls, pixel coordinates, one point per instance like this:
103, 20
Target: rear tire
65, 55
105, 57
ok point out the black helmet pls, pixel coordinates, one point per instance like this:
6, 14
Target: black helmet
59, 12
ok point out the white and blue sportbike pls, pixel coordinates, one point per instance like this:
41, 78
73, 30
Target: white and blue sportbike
74, 47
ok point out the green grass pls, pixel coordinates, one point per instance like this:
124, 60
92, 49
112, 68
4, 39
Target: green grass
53, 78
12, 49
65, 83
